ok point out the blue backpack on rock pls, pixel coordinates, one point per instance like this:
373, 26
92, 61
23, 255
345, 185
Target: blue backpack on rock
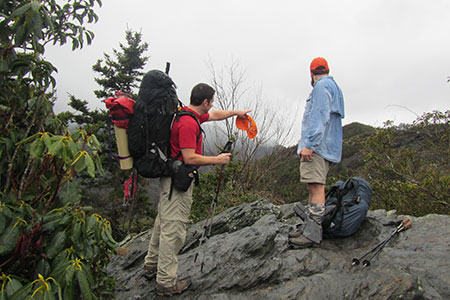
346, 206
351, 200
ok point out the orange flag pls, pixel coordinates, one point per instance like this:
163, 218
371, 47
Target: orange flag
247, 124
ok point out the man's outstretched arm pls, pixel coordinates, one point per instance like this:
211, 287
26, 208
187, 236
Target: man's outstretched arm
217, 115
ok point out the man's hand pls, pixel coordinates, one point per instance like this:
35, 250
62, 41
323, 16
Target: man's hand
242, 113
306, 154
223, 158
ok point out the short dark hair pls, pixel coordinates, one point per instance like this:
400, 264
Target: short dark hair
201, 92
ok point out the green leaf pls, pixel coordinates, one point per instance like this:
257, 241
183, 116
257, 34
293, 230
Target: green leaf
76, 135
88, 38
98, 164
2, 223
87, 208
40, 49
37, 148
48, 294
22, 293
56, 148
13, 286
69, 274
4, 66
66, 157
76, 232
21, 10
43, 268
69, 292
37, 27
3, 295
66, 219
57, 244
50, 224
35, 5
21, 34
6, 211
90, 253
72, 148
75, 44
84, 285
80, 165
108, 239
9, 239
108, 232
88, 273
94, 142
28, 139
59, 263
69, 193
90, 165
91, 223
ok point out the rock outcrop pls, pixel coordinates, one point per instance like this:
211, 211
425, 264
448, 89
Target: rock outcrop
247, 257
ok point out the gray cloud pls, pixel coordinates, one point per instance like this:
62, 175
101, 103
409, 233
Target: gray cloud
385, 54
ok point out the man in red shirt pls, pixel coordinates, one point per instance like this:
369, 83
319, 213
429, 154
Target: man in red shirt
169, 231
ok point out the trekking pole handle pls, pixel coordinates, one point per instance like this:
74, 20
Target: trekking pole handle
404, 225
227, 147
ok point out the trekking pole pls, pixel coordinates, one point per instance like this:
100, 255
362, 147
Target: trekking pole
209, 221
406, 223
356, 261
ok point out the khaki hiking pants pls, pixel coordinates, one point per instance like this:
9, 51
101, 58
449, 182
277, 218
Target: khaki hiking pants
169, 232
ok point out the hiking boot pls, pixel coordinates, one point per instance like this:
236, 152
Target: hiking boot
150, 272
294, 234
178, 288
302, 242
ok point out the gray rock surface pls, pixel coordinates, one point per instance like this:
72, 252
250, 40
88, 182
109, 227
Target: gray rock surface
248, 257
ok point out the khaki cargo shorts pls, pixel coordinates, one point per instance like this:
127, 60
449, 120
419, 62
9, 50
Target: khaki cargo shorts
315, 170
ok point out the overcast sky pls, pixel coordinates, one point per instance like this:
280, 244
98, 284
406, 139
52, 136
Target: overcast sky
390, 57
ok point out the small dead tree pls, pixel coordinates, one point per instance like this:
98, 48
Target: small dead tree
275, 126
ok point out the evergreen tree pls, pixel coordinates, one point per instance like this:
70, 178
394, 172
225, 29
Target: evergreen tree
120, 71
123, 72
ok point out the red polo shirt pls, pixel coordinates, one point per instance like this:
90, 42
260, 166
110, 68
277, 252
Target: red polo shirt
184, 134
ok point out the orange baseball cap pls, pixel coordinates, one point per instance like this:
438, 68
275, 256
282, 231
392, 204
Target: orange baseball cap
319, 65
247, 124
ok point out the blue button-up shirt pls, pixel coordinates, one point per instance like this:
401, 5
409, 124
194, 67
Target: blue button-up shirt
322, 120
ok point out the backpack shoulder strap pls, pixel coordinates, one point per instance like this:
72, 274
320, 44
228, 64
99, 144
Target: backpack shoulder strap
180, 113
351, 183
331, 192
339, 191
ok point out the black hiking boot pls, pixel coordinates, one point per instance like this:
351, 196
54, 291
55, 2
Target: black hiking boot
150, 272
178, 288
302, 242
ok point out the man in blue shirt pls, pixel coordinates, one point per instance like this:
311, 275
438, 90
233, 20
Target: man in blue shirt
319, 146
